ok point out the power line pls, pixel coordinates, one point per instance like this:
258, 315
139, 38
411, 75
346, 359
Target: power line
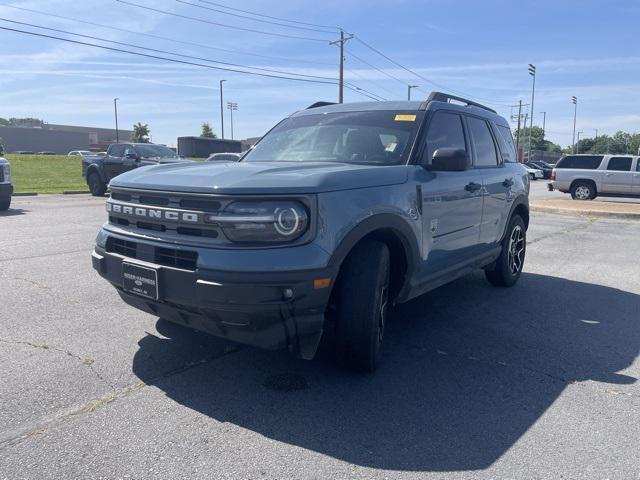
256, 19
362, 77
376, 68
158, 37
234, 27
328, 81
373, 49
165, 52
268, 16
174, 60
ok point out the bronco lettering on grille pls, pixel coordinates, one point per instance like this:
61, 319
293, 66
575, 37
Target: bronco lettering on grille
153, 213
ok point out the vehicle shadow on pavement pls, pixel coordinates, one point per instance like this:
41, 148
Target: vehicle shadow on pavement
13, 212
467, 370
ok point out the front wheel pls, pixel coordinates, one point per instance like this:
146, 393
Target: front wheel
506, 270
96, 186
363, 303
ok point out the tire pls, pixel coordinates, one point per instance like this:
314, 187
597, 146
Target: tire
96, 186
583, 190
5, 204
363, 298
506, 270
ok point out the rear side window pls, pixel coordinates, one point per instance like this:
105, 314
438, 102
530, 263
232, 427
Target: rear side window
485, 147
505, 141
584, 162
620, 164
445, 131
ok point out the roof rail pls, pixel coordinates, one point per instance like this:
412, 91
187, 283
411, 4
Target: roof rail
445, 97
320, 104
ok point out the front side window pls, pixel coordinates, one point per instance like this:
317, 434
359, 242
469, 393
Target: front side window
116, 150
485, 147
445, 131
154, 151
620, 164
380, 137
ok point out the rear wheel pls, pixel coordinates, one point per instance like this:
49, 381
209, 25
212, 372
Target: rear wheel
583, 191
506, 270
363, 304
96, 186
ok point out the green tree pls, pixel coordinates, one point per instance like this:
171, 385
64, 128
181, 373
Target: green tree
537, 140
207, 131
140, 133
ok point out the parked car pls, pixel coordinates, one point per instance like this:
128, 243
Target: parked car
79, 153
122, 157
546, 169
586, 176
533, 171
340, 211
6, 187
46, 152
224, 157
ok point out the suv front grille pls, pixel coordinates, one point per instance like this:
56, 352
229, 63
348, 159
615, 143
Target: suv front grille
122, 247
1, 174
176, 258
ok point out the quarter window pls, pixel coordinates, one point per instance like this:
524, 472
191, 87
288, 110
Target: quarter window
507, 147
620, 164
485, 147
445, 131
582, 162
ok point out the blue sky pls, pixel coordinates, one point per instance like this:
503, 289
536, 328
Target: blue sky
481, 48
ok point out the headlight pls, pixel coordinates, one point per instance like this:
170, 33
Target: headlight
7, 173
267, 221
101, 239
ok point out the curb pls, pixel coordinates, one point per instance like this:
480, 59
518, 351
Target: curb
75, 192
586, 213
24, 194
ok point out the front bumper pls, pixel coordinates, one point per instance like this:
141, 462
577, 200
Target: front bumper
253, 308
6, 190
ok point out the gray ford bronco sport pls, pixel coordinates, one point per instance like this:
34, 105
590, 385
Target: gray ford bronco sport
337, 213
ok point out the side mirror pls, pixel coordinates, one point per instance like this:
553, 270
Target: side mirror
450, 160
131, 156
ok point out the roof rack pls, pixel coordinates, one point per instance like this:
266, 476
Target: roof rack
320, 104
445, 97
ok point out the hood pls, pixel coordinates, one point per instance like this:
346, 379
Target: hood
260, 177
162, 160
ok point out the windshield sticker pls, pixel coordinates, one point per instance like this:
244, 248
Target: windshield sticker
405, 118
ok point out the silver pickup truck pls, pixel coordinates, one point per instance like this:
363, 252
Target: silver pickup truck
587, 176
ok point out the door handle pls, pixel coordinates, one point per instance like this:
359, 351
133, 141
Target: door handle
472, 187
508, 182
608, 174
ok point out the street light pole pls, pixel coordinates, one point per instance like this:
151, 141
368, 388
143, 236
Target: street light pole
595, 142
409, 87
532, 72
221, 112
574, 99
115, 109
232, 106
578, 143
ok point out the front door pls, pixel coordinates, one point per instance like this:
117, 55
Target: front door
618, 177
451, 201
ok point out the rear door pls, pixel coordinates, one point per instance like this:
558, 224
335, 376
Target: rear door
618, 177
635, 186
496, 179
452, 201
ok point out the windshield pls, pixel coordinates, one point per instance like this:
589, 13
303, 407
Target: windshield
380, 137
155, 151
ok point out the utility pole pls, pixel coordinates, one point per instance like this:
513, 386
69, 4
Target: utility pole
574, 99
519, 119
221, 112
595, 142
532, 72
232, 106
341, 43
115, 109
409, 87
544, 124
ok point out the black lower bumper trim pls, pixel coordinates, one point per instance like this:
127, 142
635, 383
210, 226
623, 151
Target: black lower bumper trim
269, 310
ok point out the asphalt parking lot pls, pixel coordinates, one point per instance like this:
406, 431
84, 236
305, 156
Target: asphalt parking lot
537, 381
